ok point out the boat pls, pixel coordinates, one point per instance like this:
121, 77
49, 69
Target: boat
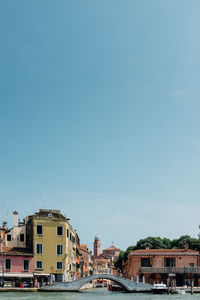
181, 291
114, 288
159, 288
99, 285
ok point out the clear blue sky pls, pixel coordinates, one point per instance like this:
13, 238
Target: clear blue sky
99, 115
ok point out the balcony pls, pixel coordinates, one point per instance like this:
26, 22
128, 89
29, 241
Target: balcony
169, 270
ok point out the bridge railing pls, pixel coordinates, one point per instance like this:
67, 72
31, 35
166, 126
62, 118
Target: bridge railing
168, 270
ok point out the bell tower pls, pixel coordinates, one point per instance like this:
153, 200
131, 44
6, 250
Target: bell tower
97, 249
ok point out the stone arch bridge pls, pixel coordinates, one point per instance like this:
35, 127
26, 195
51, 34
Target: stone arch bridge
75, 285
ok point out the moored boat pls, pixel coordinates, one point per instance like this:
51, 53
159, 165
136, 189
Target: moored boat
181, 291
114, 288
159, 288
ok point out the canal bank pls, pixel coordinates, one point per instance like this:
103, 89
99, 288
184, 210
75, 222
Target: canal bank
86, 289
93, 294
21, 290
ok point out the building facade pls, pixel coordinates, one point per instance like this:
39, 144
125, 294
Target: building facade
78, 270
16, 236
52, 241
16, 265
102, 266
70, 253
85, 260
104, 262
160, 265
16, 262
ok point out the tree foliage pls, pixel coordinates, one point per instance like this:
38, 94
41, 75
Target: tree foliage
119, 262
128, 250
151, 242
159, 243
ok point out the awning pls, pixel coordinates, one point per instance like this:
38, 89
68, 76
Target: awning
20, 275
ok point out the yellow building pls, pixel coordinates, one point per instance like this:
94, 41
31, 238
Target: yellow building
71, 253
52, 240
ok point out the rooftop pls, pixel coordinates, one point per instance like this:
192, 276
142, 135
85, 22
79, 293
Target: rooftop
112, 248
16, 251
163, 251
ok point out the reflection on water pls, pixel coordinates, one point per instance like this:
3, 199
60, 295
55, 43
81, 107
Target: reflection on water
93, 294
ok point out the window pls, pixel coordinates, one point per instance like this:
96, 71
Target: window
26, 264
8, 237
21, 237
38, 264
170, 262
73, 239
39, 229
67, 232
59, 265
59, 230
146, 262
191, 265
39, 248
8, 264
70, 236
59, 249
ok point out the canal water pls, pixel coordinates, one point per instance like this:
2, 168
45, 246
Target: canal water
93, 294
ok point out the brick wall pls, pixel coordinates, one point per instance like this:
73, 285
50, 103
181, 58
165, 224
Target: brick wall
183, 259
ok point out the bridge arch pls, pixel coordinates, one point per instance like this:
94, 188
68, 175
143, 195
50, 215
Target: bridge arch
75, 285
114, 278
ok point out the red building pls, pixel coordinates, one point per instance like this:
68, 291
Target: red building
157, 265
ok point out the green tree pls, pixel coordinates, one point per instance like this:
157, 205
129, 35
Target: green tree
151, 242
167, 243
186, 241
128, 250
119, 262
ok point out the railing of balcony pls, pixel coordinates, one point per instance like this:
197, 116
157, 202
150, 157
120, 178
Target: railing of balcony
170, 270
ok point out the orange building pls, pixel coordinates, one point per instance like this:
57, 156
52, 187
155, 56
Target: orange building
78, 271
104, 262
112, 252
157, 265
84, 260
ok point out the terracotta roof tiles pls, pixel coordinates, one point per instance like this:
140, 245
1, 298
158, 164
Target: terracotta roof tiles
112, 248
16, 251
164, 251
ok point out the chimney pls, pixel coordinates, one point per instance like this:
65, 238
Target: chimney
147, 248
15, 218
5, 225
